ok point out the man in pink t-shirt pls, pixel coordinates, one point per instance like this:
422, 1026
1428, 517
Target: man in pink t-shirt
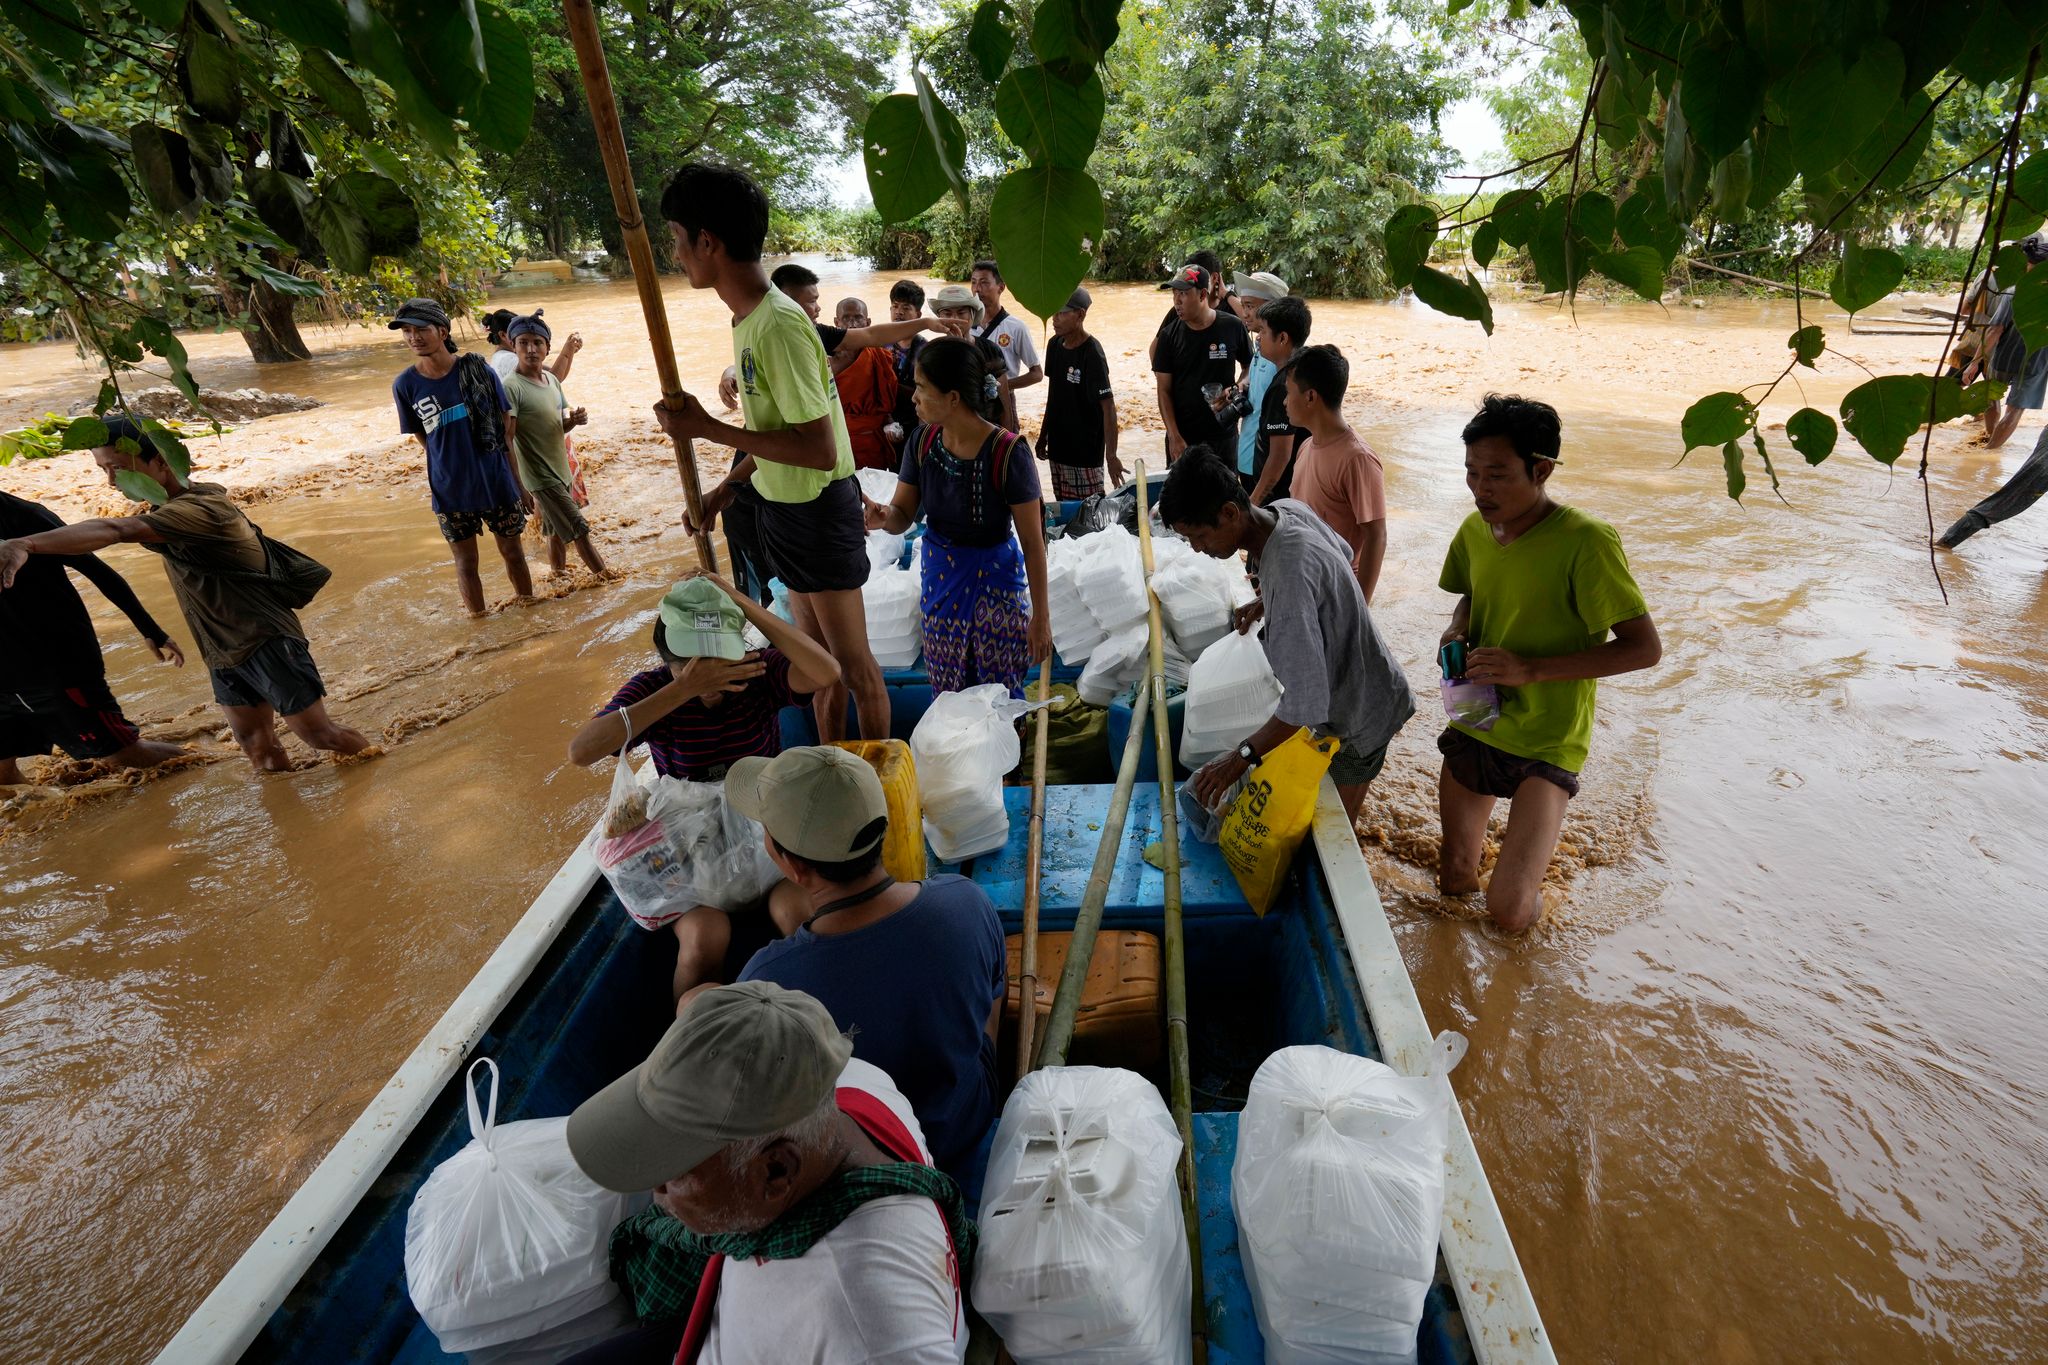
1335, 472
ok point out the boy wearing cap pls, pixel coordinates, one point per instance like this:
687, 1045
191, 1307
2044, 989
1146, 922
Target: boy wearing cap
454, 406
796, 1214
1200, 352
914, 972
1252, 292
539, 419
1540, 586
1079, 434
710, 704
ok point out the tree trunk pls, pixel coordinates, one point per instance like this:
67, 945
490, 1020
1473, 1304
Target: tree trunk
275, 336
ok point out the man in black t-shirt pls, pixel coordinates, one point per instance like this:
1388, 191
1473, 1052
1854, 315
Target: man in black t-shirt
1203, 348
1079, 434
1282, 330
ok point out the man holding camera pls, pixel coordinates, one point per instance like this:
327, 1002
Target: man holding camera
1196, 359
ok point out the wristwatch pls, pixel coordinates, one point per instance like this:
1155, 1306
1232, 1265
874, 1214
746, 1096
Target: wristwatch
1248, 754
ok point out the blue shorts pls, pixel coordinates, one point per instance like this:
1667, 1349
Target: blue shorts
280, 674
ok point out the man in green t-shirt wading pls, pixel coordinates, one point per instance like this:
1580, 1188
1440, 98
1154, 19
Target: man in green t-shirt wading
799, 460
1539, 588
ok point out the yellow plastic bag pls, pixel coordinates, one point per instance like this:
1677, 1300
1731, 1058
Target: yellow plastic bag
1271, 816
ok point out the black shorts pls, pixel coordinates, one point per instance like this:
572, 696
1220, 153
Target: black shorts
820, 545
280, 675
81, 718
456, 527
1479, 767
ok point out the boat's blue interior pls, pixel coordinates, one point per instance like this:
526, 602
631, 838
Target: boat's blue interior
595, 1005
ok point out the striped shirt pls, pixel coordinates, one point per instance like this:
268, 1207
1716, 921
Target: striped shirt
694, 739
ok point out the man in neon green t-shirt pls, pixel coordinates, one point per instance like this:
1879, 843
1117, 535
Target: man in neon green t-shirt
1540, 586
799, 460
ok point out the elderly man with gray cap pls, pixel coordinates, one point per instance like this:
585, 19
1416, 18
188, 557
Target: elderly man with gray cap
913, 971
796, 1215
710, 702
957, 303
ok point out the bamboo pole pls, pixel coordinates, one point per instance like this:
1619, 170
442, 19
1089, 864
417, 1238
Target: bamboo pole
1027, 957
611, 140
1066, 1001
1179, 1071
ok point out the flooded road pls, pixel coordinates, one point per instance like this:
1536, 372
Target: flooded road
1766, 1085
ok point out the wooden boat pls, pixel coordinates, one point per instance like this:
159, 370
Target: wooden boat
576, 995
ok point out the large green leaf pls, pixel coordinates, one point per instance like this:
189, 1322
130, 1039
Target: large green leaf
949, 139
86, 433
2030, 183
1807, 343
1409, 234
391, 222
1678, 151
990, 39
334, 87
1560, 263
156, 334
81, 180
1638, 267
1831, 110
1045, 223
1716, 420
320, 24
1891, 154
213, 171
163, 165
1865, 275
343, 234
1723, 94
1072, 36
1729, 186
141, 487
501, 114
1883, 413
211, 80
1770, 163
282, 281
284, 203
1485, 243
1812, 433
1995, 47
21, 207
904, 174
55, 26
1642, 221
444, 43
1593, 218
1515, 215
375, 46
1731, 462
168, 444
1055, 123
1461, 299
2030, 308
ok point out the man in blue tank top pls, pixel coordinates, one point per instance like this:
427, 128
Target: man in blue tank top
913, 972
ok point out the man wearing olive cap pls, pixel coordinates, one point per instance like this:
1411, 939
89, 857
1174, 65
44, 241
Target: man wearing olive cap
914, 972
796, 1213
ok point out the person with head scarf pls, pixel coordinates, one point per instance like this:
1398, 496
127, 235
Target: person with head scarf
539, 418
497, 326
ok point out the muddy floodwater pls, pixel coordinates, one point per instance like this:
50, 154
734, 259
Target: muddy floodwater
1766, 1084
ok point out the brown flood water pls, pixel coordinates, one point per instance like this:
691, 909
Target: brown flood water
1766, 1085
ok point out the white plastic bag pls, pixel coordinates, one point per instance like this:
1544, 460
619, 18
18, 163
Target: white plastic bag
1084, 1254
1195, 595
1338, 1190
963, 745
1231, 692
885, 550
689, 848
508, 1239
878, 484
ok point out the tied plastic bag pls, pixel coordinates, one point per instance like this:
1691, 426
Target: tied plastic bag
1475, 705
1338, 1189
678, 845
963, 745
1271, 816
508, 1239
1084, 1254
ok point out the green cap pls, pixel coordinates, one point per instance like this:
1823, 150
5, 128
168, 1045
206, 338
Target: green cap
820, 803
741, 1062
698, 621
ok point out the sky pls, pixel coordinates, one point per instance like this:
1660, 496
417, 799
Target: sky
1469, 126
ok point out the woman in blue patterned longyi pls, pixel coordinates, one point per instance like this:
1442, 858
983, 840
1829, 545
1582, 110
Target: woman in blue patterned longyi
984, 595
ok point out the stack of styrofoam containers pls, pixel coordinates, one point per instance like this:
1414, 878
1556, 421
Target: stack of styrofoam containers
1112, 581
1231, 692
1338, 1188
1075, 633
962, 747
895, 624
1125, 658
1196, 596
1084, 1253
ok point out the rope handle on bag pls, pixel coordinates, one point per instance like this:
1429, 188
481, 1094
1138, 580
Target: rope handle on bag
481, 1124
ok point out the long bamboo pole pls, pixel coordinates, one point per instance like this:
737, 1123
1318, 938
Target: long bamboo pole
611, 140
1034, 850
1180, 1079
1066, 1001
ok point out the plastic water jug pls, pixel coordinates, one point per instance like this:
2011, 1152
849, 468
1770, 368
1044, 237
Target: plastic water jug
1084, 1254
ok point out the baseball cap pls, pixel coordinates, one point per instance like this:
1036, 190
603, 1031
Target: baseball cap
2036, 247
819, 803
1260, 284
740, 1062
1079, 301
419, 313
698, 621
956, 296
1189, 277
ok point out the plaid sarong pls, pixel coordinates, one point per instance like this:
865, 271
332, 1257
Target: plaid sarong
1071, 483
658, 1261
